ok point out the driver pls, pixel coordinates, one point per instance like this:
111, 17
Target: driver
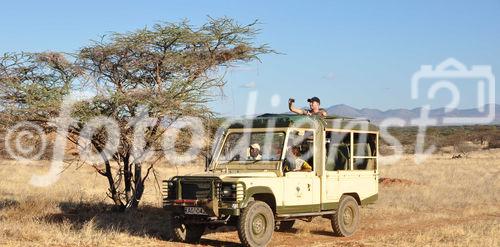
255, 152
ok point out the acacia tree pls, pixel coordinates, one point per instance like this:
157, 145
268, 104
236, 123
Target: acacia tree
32, 86
164, 72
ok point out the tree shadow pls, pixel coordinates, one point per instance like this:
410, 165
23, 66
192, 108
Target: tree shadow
8, 203
145, 221
293, 230
211, 242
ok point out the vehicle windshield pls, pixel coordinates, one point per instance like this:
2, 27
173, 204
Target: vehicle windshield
253, 146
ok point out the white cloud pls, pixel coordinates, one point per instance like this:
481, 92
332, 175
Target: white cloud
330, 76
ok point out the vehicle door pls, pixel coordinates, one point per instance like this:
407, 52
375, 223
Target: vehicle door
299, 186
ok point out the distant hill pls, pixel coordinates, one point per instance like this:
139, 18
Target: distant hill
376, 116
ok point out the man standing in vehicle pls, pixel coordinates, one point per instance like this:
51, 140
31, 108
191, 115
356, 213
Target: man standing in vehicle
314, 108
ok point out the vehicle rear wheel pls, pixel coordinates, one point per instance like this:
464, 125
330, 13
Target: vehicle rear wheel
345, 221
256, 224
286, 225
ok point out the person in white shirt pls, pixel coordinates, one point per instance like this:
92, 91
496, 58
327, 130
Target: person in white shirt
255, 152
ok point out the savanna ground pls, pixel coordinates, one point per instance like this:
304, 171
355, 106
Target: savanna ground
442, 202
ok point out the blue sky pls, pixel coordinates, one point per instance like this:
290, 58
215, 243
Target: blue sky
346, 52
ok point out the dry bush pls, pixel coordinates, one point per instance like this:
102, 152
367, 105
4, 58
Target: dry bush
494, 143
447, 149
386, 150
443, 136
465, 147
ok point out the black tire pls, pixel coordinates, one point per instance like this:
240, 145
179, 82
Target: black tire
256, 224
286, 225
345, 221
175, 230
194, 233
180, 232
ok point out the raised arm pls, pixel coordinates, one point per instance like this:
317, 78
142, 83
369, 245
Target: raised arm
323, 112
293, 108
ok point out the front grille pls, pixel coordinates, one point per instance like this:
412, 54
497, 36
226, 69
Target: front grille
164, 189
240, 192
169, 193
196, 190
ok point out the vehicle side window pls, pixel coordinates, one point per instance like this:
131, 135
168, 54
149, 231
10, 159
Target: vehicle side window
300, 151
365, 151
338, 151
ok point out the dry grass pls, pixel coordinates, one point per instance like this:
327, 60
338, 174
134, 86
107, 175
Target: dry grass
449, 203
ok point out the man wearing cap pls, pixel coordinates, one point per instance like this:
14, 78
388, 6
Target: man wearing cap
255, 152
314, 108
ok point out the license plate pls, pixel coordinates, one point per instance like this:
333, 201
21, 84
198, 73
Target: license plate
194, 210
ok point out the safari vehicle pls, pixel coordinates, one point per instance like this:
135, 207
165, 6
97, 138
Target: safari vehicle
268, 191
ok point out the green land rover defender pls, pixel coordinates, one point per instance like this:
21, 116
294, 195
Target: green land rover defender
256, 179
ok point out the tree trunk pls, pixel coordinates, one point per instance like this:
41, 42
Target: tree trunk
127, 175
114, 195
139, 186
112, 188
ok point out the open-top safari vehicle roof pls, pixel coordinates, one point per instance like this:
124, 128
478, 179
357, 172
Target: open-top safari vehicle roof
292, 120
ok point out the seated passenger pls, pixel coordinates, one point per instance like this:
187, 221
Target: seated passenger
255, 152
296, 163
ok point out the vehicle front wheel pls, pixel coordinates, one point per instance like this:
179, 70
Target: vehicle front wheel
256, 224
180, 232
346, 220
194, 233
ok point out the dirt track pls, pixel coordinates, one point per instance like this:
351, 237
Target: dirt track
319, 233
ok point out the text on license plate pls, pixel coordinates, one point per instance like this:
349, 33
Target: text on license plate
194, 210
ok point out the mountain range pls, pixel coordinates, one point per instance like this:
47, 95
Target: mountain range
376, 116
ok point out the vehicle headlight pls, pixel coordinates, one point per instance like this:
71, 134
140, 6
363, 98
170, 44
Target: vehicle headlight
232, 192
229, 192
169, 190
